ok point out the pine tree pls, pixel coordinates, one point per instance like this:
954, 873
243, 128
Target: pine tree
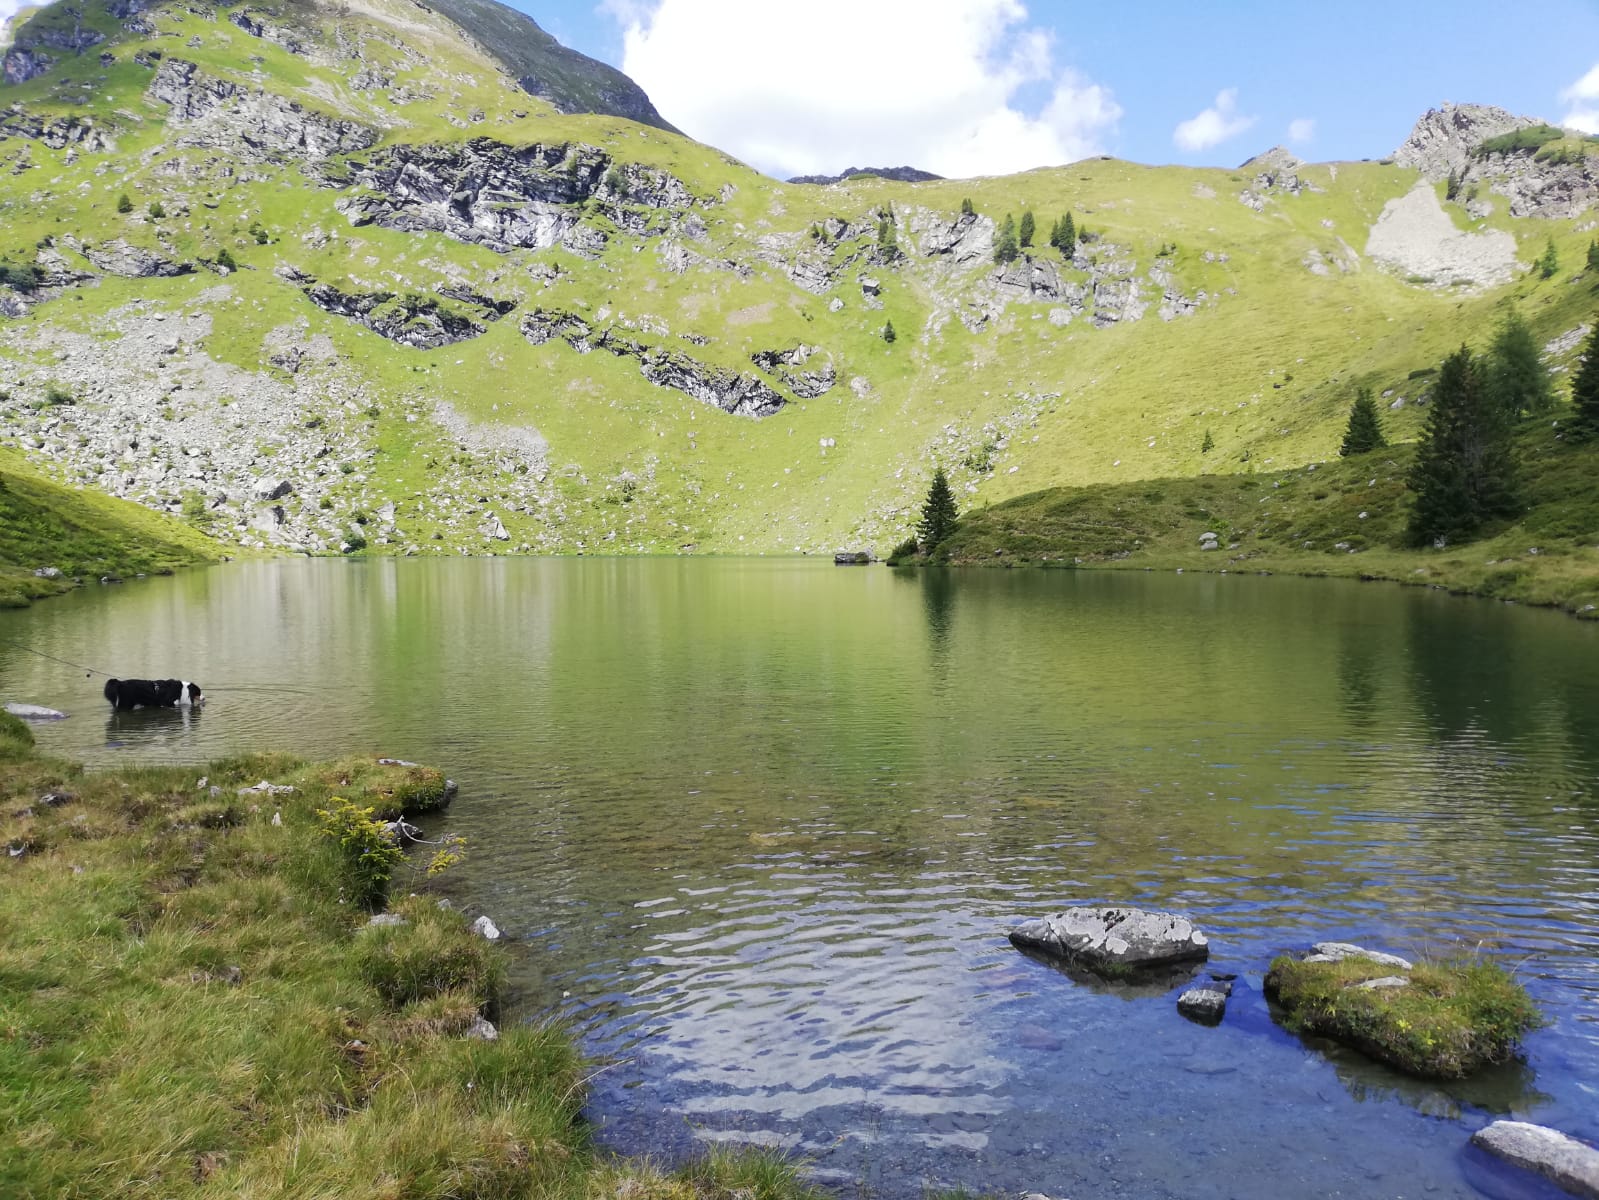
1029, 227
966, 208
1452, 185
1585, 390
1549, 263
1593, 256
124, 203
1209, 444
1517, 380
939, 516
225, 259
1465, 470
1365, 426
888, 333
1005, 247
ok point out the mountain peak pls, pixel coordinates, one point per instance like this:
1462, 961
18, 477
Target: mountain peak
1443, 139
897, 174
572, 82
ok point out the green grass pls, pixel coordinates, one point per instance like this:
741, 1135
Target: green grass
83, 534
1346, 517
188, 1009
1453, 1018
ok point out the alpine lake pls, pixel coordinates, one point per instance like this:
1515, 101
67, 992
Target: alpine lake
757, 829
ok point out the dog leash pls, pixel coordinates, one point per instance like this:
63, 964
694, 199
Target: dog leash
87, 670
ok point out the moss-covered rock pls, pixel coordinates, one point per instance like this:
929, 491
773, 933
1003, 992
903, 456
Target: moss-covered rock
1442, 1020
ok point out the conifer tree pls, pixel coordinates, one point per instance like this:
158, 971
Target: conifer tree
966, 208
124, 203
1585, 390
1549, 263
1365, 426
1452, 185
1029, 227
1209, 444
1005, 247
1593, 256
1465, 471
939, 515
1516, 376
888, 333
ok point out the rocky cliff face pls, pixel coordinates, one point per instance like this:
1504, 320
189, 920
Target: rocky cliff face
505, 197
216, 114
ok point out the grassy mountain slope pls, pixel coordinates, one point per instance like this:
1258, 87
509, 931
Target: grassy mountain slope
1277, 310
1343, 518
82, 534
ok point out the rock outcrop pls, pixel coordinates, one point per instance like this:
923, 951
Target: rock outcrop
1572, 1164
1444, 138
788, 366
217, 114
57, 133
1114, 941
118, 257
731, 391
416, 321
514, 197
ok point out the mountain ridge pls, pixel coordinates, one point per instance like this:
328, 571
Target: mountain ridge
359, 261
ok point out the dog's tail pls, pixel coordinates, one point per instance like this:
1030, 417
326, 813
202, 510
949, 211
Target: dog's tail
111, 689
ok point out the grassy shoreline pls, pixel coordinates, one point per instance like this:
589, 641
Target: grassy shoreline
1341, 519
193, 1003
81, 535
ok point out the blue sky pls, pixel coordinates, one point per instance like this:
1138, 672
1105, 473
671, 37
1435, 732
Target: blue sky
983, 86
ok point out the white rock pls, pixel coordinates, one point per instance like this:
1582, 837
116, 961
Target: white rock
486, 928
1338, 951
34, 712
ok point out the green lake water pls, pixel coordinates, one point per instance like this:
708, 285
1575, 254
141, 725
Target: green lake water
758, 828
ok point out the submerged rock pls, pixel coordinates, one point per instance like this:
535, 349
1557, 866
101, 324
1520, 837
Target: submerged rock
1114, 941
1572, 1164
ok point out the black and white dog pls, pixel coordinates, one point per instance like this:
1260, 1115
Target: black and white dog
153, 693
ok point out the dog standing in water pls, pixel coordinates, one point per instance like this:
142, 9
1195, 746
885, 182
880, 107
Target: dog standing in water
153, 693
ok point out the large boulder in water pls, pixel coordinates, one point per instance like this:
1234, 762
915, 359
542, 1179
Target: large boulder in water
1114, 942
1572, 1164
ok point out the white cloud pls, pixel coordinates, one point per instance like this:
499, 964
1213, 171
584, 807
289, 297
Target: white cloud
8, 9
927, 83
1582, 98
1301, 131
1213, 126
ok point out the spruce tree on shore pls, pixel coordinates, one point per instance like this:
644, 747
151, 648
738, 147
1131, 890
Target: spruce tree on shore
1517, 380
1465, 471
939, 515
1365, 426
1029, 226
1585, 391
